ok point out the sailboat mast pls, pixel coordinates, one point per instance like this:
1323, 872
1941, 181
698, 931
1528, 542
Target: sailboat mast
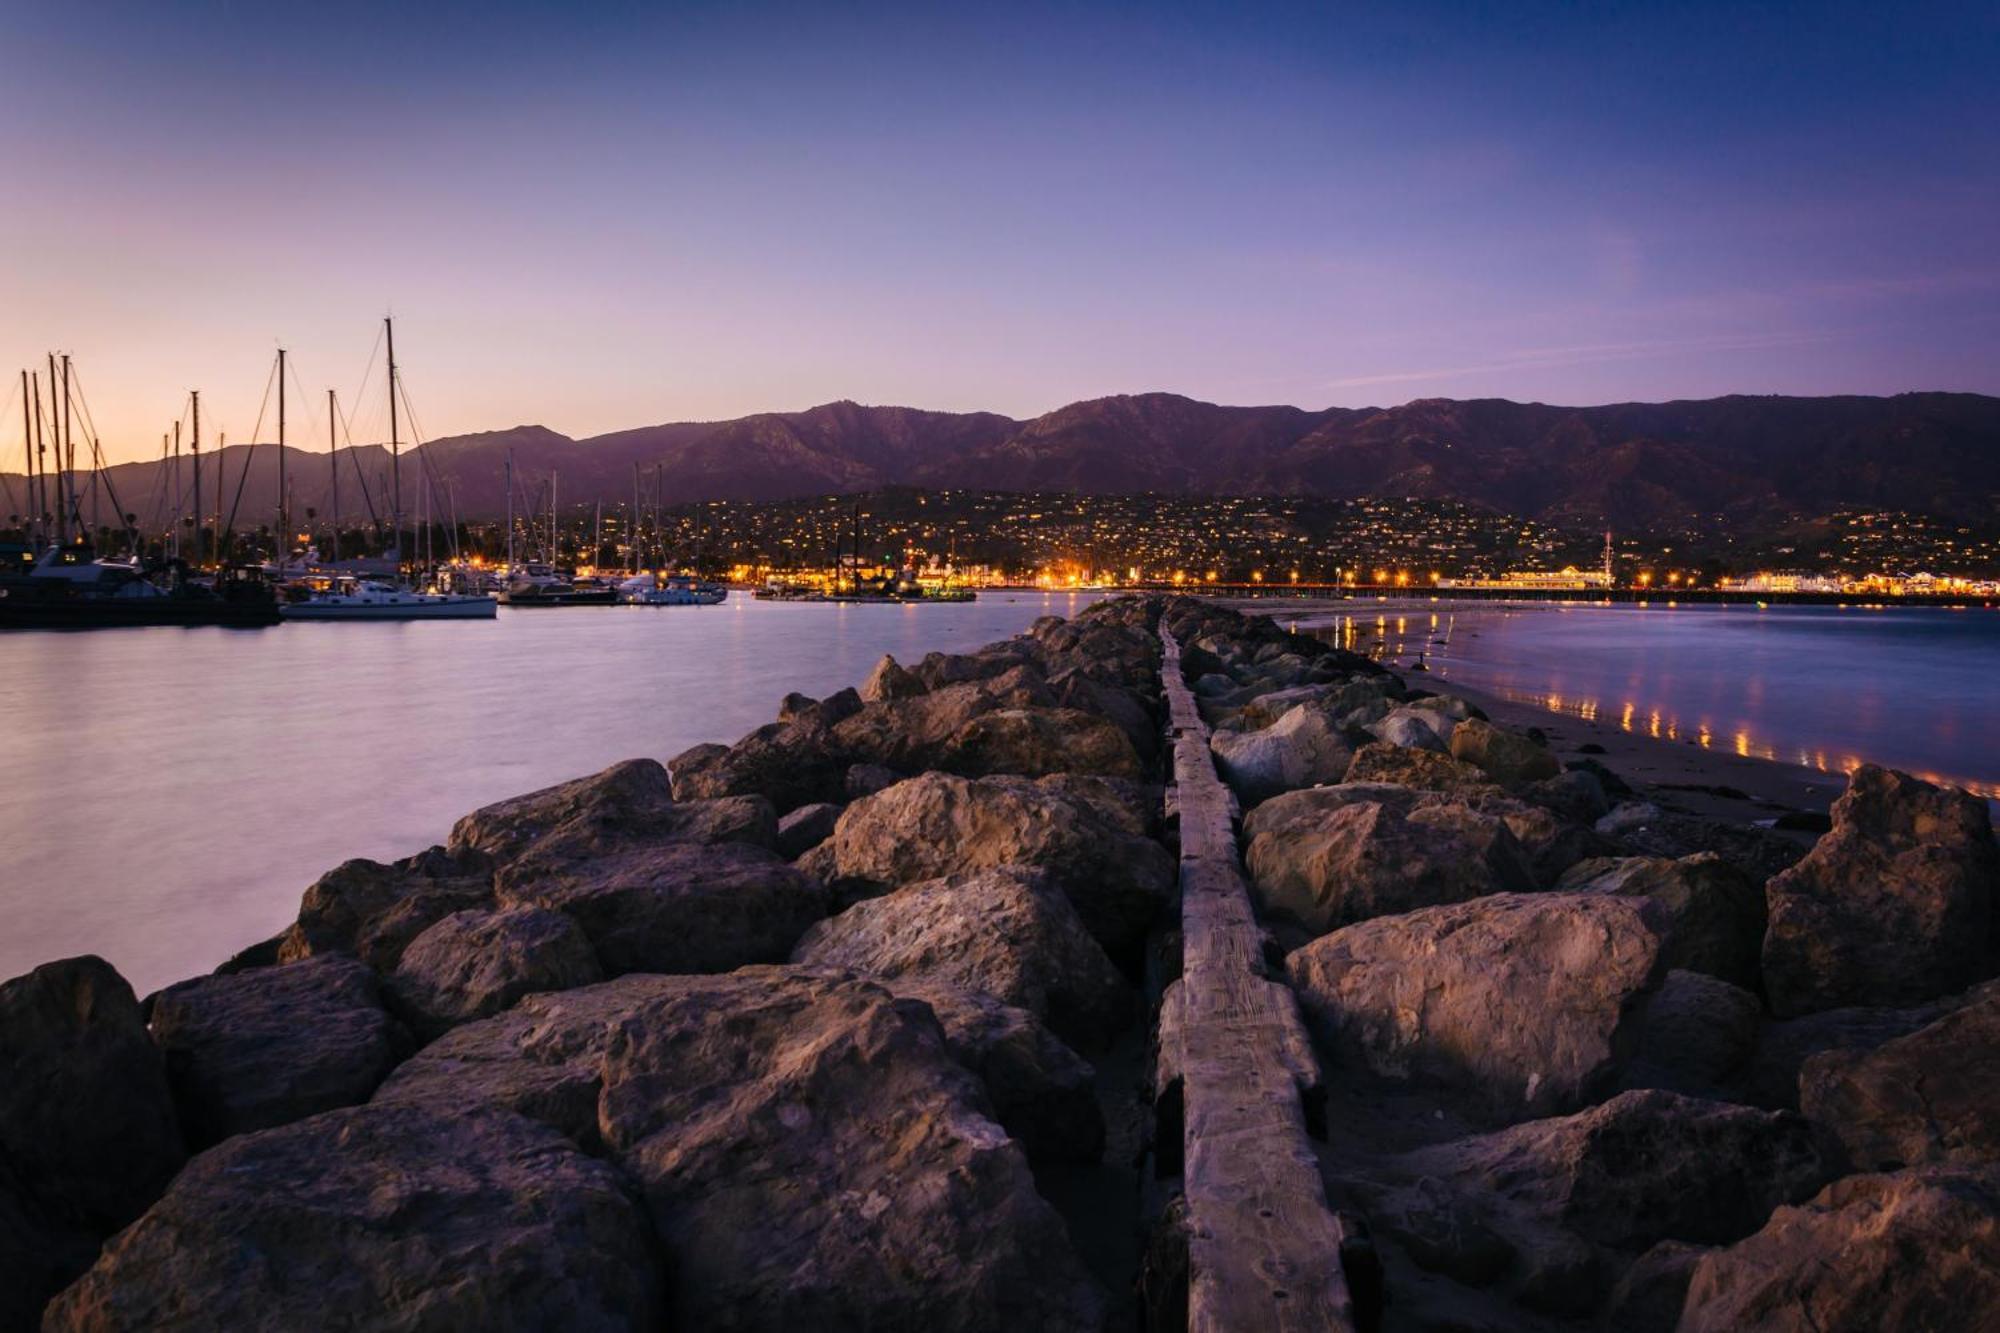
510, 512
180, 496
69, 451
284, 542
333, 470
555, 544
634, 534
395, 445
195, 395
28, 448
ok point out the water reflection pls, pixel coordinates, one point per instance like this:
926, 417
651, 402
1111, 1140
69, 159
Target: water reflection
1816, 686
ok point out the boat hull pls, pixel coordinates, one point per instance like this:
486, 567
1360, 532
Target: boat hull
133, 613
604, 597
473, 608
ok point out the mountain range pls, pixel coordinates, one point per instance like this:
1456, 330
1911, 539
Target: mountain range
1732, 461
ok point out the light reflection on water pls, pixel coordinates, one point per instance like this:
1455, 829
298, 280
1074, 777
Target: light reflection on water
1823, 687
170, 792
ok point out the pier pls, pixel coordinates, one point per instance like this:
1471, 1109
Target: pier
1264, 1249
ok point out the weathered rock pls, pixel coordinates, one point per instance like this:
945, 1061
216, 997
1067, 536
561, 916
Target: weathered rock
890, 680
910, 734
1771, 1076
1911, 1250
1894, 906
1304, 748
1368, 860
633, 794
1648, 1297
1120, 704
543, 1058
371, 911
476, 963
1419, 729
1507, 757
1043, 1093
88, 1137
806, 828
1132, 806
1715, 913
1575, 794
810, 1150
789, 764
1575, 1197
1699, 1031
1300, 812
1009, 932
867, 779
1526, 1004
1379, 761
827, 712
1268, 707
380, 1217
1038, 741
938, 825
674, 906
1932, 1096
1645, 830
274, 1044
1551, 844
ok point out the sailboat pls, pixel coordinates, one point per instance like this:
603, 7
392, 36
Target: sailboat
384, 599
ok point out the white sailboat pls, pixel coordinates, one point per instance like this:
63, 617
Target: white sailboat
381, 599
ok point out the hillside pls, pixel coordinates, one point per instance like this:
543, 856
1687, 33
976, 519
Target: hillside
1735, 460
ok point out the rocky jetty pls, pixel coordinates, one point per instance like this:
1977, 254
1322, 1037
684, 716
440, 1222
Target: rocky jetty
1153, 969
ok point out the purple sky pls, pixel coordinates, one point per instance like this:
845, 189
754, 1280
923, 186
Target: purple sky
607, 217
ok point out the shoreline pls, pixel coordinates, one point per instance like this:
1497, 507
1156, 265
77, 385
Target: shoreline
1684, 770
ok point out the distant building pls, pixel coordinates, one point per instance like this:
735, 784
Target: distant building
1567, 579
1780, 582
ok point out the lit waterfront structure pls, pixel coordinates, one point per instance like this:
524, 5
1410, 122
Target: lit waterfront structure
1784, 582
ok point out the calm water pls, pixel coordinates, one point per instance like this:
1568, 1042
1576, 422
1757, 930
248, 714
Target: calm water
170, 792
1827, 687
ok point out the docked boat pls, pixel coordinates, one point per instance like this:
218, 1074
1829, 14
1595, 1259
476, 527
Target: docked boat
538, 584
374, 599
674, 590
68, 588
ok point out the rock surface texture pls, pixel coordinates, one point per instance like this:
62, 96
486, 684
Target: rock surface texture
1894, 906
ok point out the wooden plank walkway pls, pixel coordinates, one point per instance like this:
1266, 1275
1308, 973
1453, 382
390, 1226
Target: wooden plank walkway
1264, 1248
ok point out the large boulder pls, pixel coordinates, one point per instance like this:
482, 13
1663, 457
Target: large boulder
371, 910
938, 825
1522, 1004
1507, 757
1379, 761
1131, 807
812, 1157
543, 1058
271, 1045
1304, 748
1008, 932
1371, 859
806, 828
1715, 912
1699, 1031
381, 1217
1910, 1250
890, 680
636, 792
673, 906
789, 764
1931, 1096
88, 1137
1043, 1093
1644, 829
1894, 906
476, 963
1037, 741
1770, 1077
1418, 729
1121, 705
1560, 1206
909, 735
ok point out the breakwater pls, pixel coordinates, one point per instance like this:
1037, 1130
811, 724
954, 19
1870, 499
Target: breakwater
1155, 968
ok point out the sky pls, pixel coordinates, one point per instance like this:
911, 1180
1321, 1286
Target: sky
596, 217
